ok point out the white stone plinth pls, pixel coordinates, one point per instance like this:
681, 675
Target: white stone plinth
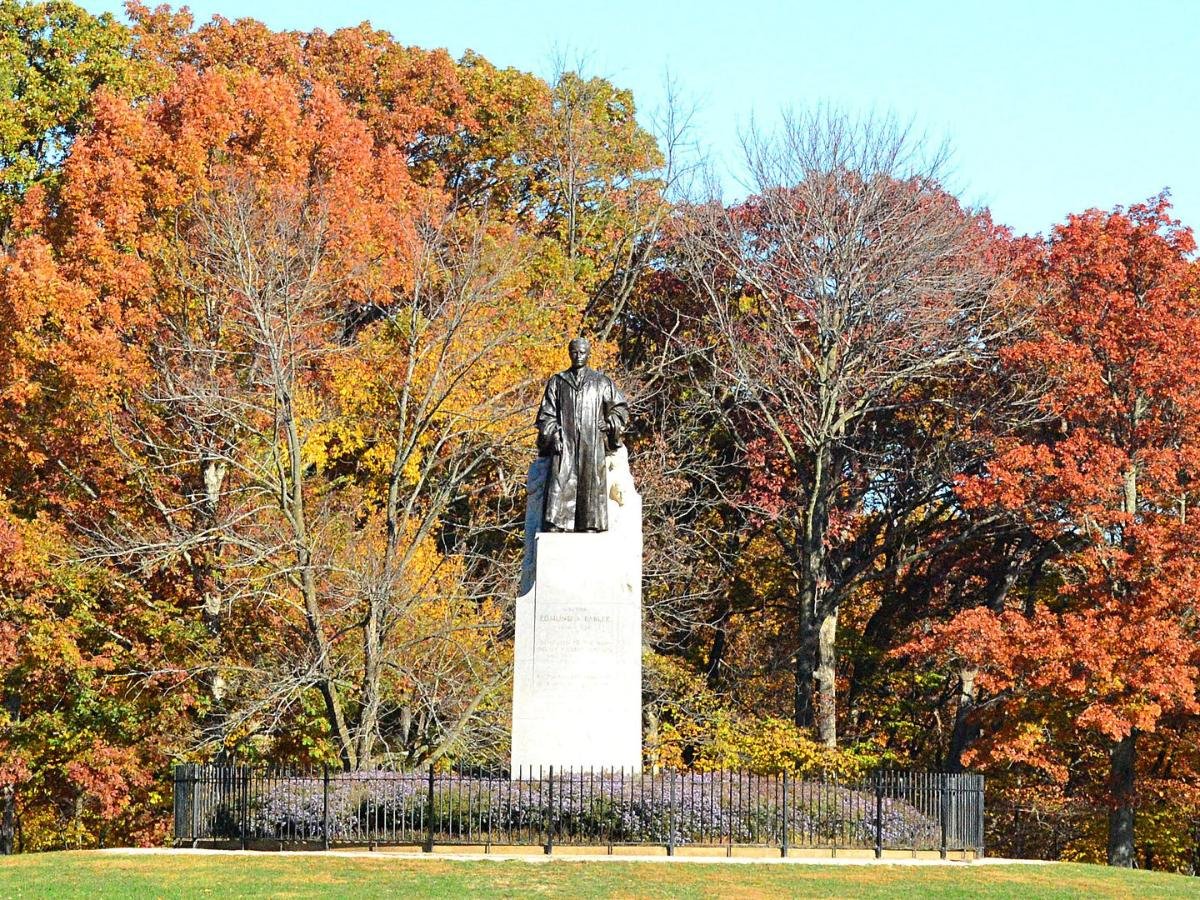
577, 681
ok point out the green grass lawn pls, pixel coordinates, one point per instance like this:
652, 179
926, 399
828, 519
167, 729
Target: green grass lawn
96, 875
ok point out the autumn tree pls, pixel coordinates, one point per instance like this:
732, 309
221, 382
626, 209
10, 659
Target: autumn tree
846, 282
92, 704
1110, 653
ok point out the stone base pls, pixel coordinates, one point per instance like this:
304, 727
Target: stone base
577, 679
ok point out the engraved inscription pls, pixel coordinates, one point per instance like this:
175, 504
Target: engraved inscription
576, 649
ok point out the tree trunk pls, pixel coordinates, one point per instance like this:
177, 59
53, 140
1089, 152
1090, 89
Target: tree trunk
369, 718
292, 488
1124, 753
207, 576
826, 677
816, 631
338, 729
8, 793
8, 802
806, 664
1121, 788
965, 730
716, 654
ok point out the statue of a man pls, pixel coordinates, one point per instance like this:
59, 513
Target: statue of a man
581, 419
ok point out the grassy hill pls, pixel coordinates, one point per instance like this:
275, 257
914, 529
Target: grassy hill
98, 875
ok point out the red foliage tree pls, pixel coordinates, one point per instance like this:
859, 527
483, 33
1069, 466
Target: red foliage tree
1112, 653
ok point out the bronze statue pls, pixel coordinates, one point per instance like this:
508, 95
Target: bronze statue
582, 419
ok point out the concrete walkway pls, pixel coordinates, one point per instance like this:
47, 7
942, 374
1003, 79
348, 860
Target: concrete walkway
543, 859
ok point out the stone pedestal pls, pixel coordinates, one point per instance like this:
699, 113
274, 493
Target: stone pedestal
577, 681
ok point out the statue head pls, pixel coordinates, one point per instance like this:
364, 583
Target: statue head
579, 349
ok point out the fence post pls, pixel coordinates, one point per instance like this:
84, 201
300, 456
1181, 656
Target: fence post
835, 834
548, 821
244, 806
671, 818
193, 800
177, 805
979, 818
429, 830
783, 843
879, 815
177, 802
944, 784
325, 807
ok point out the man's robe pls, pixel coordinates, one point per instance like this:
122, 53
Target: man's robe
581, 419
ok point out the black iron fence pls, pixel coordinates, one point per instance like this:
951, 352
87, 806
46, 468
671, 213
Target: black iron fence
236, 805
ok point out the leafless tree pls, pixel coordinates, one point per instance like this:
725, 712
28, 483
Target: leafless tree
848, 278
366, 581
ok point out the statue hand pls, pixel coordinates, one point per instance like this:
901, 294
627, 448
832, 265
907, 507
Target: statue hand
613, 436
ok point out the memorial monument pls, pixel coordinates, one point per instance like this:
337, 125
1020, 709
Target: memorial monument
577, 678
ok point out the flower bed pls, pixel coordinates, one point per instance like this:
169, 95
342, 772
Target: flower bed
683, 808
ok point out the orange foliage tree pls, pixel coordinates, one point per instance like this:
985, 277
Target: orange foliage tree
1108, 660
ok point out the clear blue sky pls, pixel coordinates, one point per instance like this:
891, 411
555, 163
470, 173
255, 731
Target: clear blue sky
1049, 107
